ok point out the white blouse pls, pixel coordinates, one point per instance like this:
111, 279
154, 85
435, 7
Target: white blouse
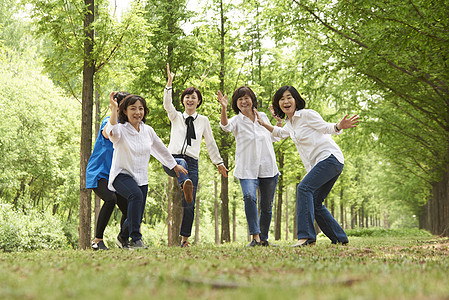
178, 142
132, 152
254, 153
312, 137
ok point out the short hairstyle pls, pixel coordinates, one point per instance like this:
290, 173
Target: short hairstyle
239, 93
190, 91
130, 100
120, 96
300, 103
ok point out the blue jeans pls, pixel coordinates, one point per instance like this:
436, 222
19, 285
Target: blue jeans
259, 224
191, 165
311, 193
126, 186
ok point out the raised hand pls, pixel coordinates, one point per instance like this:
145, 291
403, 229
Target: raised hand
278, 120
259, 120
222, 99
169, 76
112, 101
348, 123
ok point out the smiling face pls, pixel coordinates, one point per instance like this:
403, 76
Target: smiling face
190, 102
245, 104
287, 104
244, 100
135, 113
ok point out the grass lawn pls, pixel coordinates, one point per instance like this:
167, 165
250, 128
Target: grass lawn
368, 268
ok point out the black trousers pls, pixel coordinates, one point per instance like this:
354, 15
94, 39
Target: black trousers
110, 199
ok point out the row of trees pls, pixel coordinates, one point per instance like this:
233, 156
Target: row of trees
386, 62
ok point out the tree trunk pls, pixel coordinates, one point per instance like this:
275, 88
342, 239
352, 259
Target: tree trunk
225, 232
434, 215
177, 212
224, 196
234, 223
97, 129
277, 233
286, 214
197, 216
86, 128
217, 225
169, 211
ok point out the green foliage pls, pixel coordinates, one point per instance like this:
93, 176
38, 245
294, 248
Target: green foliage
32, 230
39, 142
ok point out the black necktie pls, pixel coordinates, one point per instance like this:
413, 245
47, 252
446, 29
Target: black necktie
190, 131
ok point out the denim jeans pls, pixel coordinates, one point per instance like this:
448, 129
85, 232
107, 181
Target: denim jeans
191, 165
311, 193
259, 224
126, 186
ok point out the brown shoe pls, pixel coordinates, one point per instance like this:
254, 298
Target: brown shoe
187, 188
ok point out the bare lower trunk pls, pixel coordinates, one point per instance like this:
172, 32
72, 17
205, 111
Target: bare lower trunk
435, 213
177, 212
217, 225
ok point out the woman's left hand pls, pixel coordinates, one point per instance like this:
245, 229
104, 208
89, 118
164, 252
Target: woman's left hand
348, 123
223, 170
180, 169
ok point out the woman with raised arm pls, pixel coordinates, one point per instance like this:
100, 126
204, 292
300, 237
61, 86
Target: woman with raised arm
134, 143
97, 175
321, 157
255, 161
187, 130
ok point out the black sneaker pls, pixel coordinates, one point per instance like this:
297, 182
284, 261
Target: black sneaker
137, 244
121, 243
185, 244
253, 243
267, 244
99, 246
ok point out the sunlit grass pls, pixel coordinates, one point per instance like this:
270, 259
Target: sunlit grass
369, 268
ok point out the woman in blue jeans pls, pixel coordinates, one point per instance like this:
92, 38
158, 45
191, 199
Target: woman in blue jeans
322, 159
134, 142
187, 130
255, 161
97, 175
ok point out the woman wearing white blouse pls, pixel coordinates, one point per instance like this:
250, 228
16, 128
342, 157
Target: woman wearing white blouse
322, 159
134, 142
255, 161
187, 130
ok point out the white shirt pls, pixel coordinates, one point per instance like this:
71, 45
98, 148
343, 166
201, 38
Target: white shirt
132, 151
312, 137
178, 142
254, 153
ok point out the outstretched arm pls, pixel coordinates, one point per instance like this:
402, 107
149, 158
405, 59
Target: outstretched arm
223, 100
347, 123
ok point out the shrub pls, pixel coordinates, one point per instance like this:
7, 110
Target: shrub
31, 231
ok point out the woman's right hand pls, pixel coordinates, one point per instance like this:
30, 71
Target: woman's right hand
169, 76
112, 102
222, 99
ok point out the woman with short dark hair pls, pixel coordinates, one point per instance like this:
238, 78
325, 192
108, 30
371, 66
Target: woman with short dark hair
187, 131
134, 144
321, 157
255, 161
